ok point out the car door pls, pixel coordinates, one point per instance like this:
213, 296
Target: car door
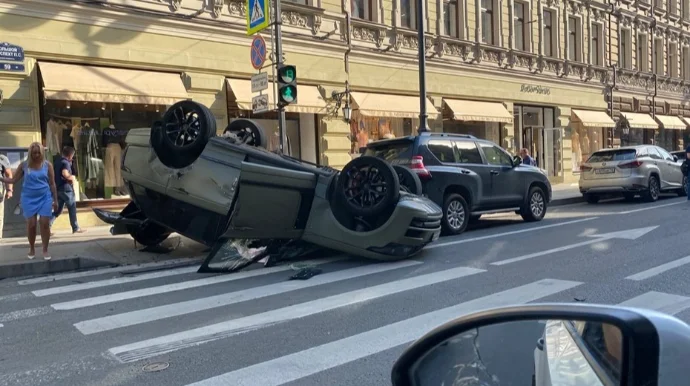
506, 184
664, 171
675, 176
467, 155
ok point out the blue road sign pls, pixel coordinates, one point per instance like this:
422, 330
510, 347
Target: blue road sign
257, 15
12, 67
11, 53
258, 52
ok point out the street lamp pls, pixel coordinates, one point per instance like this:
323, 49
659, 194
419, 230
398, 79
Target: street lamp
347, 112
421, 47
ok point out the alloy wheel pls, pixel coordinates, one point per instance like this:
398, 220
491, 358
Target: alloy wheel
455, 215
536, 204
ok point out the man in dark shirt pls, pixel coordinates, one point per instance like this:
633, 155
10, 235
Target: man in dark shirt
64, 180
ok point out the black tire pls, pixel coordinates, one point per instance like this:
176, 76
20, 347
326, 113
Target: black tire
409, 180
591, 198
534, 208
683, 192
355, 180
653, 190
248, 132
456, 214
148, 235
185, 130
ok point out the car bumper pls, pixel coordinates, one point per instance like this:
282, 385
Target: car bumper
633, 184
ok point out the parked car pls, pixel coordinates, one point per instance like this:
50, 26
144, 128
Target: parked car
468, 177
183, 178
646, 170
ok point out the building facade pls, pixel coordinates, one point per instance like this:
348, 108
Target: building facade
536, 74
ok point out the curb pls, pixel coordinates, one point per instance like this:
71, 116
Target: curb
42, 267
567, 201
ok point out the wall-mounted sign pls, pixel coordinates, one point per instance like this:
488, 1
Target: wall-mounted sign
530, 89
11, 53
12, 67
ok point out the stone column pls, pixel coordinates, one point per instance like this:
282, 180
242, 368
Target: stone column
209, 90
19, 113
335, 142
508, 133
563, 121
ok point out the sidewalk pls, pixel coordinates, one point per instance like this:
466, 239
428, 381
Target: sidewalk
565, 194
95, 248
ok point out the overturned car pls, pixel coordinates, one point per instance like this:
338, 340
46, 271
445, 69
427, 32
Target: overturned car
183, 178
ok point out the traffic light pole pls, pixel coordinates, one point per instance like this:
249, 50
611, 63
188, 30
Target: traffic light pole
278, 22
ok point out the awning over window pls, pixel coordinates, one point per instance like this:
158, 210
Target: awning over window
670, 122
309, 100
71, 82
390, 106
593, 118
685, 120
640, 121
478, 111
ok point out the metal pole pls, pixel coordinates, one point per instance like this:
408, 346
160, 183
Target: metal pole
423, 124
279, 62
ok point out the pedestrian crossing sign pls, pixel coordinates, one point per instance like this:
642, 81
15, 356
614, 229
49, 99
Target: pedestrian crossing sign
257, 15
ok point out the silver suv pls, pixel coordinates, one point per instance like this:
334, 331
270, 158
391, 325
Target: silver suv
645, 170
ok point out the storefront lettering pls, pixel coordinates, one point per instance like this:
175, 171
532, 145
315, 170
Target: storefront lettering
530, 89
11, 53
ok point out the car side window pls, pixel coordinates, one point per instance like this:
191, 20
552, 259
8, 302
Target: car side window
603, 342
495, 156
443, 150
654, 153
666, 155
466, 152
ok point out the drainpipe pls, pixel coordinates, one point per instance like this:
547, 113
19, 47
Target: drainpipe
654, 98
612, 66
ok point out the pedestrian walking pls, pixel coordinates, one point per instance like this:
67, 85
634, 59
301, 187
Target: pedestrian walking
64, 183
685, 168
5, 189
38, 198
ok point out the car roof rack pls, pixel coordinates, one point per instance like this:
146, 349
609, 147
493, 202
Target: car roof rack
469, 136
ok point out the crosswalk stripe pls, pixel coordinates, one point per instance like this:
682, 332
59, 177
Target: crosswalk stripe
659, 301
103, 271
24, 314
301, 364
173, 342
659, 269
176, 309
178, 286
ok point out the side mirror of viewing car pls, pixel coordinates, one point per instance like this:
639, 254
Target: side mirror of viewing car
517, 161
550, 344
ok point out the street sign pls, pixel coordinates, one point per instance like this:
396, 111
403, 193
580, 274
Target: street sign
11, 53
257, 15
257, 54
12, 67
259, 82
260, 104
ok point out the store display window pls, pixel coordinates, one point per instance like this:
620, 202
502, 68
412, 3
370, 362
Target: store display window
368, 129
97, 132
671, 140
490, 131
585, 141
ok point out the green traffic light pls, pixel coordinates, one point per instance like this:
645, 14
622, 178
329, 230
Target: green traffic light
287, 94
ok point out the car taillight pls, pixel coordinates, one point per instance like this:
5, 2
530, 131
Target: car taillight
417, 166
585, 168
631, 165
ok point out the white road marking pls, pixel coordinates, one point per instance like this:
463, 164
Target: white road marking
492, 236
87, 302
2, 325
650, 207
659, 301
658, 270
24, 314
112, 322
103, 271
173, 342
15, 297
327, 356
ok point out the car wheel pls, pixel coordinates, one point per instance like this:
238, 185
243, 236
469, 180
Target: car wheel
248, 132
409, 180
185, 130
535, 207
368, 186
652, 193
456, 214
684, 190
591, 198
149, 234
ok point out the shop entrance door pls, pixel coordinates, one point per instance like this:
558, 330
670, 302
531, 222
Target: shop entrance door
531, 140
544, 145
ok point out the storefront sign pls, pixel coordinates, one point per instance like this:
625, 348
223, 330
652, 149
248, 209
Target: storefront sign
12, 67
11, 53
530, 89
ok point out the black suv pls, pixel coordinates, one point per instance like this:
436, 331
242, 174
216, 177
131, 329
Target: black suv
468, 177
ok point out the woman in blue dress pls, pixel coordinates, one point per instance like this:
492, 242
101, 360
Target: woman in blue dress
39, 196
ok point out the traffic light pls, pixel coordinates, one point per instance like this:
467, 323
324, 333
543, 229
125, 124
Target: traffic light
287, 85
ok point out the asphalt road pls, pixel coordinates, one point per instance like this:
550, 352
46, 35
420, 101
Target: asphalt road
347, 325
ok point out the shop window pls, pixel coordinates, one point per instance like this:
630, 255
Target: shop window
596, 45
484, 130
408, 14
466, 152
521, 26
362, 9
488, 22
495, 155
673, 60
574, 41
625, 51
442, 150
451, 12
585, 141
659, 56
364, 130
685, 62
550, 36
642, 53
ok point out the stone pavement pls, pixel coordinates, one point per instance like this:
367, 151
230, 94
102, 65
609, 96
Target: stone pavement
564, 194
95, 248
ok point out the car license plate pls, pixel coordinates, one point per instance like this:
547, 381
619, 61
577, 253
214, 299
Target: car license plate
605, 171
435, 236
